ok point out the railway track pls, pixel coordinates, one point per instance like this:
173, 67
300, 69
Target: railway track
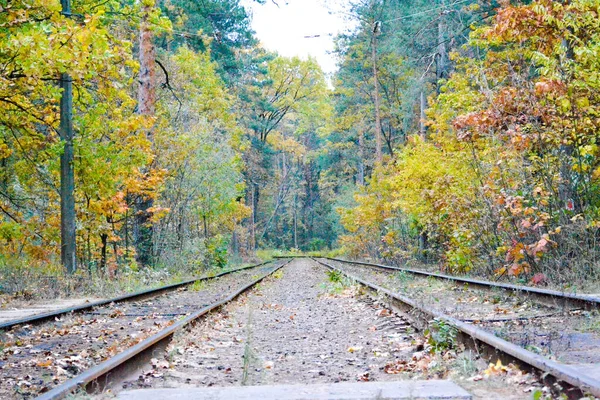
153, 292
550, 297
86, 347
544, 331
99, 346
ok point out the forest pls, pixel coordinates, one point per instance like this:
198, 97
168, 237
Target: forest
160, 138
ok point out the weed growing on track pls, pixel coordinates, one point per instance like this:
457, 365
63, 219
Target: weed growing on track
278, 274
465, 364
79, 394
198, 286
338, 282
592, 322
441, 336
404, 277
334, 276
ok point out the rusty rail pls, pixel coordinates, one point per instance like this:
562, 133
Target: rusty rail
485, 342
99, 377
47, 316
546, 296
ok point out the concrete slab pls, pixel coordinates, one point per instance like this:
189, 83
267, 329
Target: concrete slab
433, 389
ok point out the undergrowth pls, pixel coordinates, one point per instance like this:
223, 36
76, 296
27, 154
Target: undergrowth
267, 254
441, 336
337, 282
23, 282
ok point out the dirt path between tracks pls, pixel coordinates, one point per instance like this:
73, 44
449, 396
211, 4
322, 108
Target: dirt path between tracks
300, 327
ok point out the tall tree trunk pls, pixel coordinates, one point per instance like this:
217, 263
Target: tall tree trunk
146, 105
67, 178
205, 223
235, 247
442, 55
126, 226
378, 139
566, 190
361, 156
422, 127
147, 93
295, 221
67, 172
255, 197
423, 239
104, 241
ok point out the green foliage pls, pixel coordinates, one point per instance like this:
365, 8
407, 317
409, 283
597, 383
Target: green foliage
338, 282
216, 249
247, 149
334, 276
504, 182
198, 286
441, 336
185, 158
222, 29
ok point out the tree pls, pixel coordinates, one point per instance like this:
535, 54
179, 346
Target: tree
221, 26
146, 107
288, 84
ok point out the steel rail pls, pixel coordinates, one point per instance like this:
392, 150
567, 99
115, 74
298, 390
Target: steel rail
547, 296
42, 317
483, 341
124, 363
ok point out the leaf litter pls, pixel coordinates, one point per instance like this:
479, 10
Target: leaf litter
33, 359
333, 337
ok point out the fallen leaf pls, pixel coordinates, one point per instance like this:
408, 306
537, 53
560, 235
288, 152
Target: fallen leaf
475, 378
496, 369
354, 349
46, 363
396, 367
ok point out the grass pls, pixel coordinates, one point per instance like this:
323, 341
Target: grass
337, 282
404, 277
592, 322
26, 282
466, 364
277, 274
267, 254
198, 286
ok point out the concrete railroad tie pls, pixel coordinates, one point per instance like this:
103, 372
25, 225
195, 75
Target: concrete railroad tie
432, 389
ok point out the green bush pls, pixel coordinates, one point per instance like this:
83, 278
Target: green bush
216, 251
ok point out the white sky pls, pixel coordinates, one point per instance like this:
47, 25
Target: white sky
283, 29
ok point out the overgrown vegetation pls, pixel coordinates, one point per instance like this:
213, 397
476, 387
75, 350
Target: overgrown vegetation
504, 179
441, 336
